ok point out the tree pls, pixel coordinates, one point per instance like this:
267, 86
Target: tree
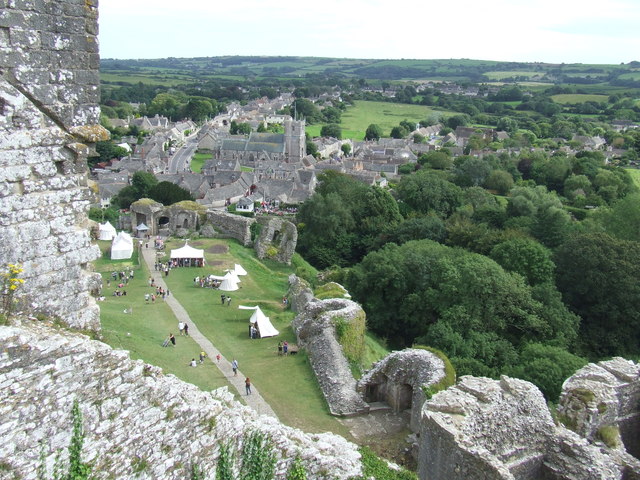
471, 171
374, 132
622, 220
107, 151
425, 191
438, 160
198, 109
239, 128
598, 277
399, 132
169, 193
500, 181
307, 109
457, 121
507, 124
331, 130
332, 114
526, 257
346, 149
143, 182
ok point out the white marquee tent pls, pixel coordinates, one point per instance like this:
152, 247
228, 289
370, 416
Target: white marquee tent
239, 270
106, 231
122, 246
233, 276
262, 322
187, 252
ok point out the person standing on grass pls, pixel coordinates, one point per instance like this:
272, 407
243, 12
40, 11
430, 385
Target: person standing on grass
181, 327
228, 301
247, 385
234, 367
223, 298
172, 339
202, 356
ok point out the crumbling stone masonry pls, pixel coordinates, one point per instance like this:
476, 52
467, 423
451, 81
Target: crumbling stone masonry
277, 239
49, 118
502, 430
133, 414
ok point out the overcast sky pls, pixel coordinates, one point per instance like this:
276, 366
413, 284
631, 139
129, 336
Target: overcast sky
585, 31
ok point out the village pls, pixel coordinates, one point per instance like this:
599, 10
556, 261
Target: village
274, 169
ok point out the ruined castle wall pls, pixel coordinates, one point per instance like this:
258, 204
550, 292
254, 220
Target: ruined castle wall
235, 226
136, 419
280, 234
49, 117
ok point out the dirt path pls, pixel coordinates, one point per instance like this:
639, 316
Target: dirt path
254, 400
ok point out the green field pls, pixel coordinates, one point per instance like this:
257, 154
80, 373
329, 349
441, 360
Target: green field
142, 331
509, 74
572, 98
357, 118
144, 78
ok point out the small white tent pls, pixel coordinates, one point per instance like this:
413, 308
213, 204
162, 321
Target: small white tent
239, 270
228, 284
233, 276
142, 230
122, 246
106, 231
262, 322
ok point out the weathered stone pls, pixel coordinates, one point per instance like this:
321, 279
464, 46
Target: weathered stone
131, 411
277, 239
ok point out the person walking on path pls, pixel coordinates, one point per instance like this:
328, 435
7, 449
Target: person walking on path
181, 327
202, 356
234, 367
247, 385
186, 329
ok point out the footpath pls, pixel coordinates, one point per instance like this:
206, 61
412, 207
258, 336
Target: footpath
254, 400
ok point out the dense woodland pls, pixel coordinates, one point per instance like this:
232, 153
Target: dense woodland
523, 264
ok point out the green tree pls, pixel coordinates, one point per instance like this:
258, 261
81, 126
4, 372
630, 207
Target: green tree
526, 257
622, 220
346, 149
438, 160
500, 181
426, 191
399, 132
107, 151
374, 132
331, 130
143, 182
169, 193
198, 109
598, 277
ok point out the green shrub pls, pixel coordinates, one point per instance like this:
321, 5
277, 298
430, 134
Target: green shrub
304, 269
351, 336
255, 229
449, 373
329, 290
375, 467
610, 435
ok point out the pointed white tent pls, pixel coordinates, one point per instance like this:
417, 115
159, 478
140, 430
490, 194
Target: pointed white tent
233, 276
262, 322
228, 285
239, 270
106, 231
142, 230
122, 246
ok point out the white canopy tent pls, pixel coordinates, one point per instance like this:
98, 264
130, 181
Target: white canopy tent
142, 229
106, 231
262, 322
122, 246
188, 253
239, 270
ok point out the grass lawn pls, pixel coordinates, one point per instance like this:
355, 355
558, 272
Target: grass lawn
287, 383
499, 75
199, 160
572, 98
635, 174
142, 331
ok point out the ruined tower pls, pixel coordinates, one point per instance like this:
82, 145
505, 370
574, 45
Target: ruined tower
49, 118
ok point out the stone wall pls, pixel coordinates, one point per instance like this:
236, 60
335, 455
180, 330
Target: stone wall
134, 415
503, 430
234, 226
49, 118
315, 329
277, 234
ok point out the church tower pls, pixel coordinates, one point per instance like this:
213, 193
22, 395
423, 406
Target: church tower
295, 140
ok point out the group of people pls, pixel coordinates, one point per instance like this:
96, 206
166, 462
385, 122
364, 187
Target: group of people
225, 299
206, 282
163, 267
283, 348
184, 328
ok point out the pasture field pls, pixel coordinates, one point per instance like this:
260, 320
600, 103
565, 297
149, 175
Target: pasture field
356, 119
572, 98
288, 384
499, 75
148, 79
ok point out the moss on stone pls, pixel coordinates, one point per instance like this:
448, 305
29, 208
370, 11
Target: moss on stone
190, 205
449, 373
350, 334
610, 435
586, 396
330, 290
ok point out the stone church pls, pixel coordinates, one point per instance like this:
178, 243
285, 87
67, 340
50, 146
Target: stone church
289, 147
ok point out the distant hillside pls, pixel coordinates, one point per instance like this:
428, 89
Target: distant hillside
183, 70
